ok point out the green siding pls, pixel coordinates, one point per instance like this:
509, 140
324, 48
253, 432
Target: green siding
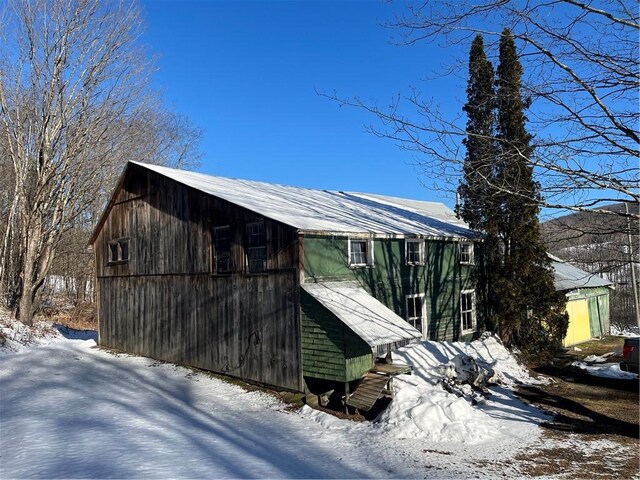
330, 350
441, 278
598, 302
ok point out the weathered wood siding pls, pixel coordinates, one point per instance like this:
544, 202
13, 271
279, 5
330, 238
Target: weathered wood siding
166, 302
440, 279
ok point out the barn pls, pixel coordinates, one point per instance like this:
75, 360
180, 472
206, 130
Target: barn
275, 284
587, 301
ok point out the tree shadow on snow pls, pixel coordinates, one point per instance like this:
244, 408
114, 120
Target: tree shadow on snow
73, 334
100, 416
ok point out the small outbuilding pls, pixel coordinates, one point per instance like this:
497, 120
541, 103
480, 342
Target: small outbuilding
587, 301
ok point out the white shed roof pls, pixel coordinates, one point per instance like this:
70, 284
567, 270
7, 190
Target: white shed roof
570, 277
367, 317
311, 210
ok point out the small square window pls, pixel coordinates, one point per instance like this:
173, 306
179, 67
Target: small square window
360, 252
414, 252
118, 251
466, 253
468, 310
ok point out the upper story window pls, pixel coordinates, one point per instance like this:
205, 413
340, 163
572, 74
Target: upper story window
466, 253
414, 251
118, 251
360, 252
222, 249
256, 247
468, 310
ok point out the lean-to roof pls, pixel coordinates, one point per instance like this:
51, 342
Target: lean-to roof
367, 317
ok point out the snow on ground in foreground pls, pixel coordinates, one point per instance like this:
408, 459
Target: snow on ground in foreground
606, 370
70, 410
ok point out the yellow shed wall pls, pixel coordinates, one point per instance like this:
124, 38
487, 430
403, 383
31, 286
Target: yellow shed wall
579, 329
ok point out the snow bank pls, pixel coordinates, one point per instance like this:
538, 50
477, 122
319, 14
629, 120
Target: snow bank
605, 370
15, 336
423, 408
420, 410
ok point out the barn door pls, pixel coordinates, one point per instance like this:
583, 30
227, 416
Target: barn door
595, 319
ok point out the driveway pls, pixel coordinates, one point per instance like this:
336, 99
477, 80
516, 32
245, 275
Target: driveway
602, 412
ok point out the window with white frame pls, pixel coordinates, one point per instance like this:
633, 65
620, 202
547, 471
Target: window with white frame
466, 253
222, 249
416, 311
414, 251
118, 251
256, 247
468, 310
360, 252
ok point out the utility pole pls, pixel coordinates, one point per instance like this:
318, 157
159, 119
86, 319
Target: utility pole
634, 284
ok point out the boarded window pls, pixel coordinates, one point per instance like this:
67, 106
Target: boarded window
222, 249
416, 311
256, 247
468, 310
118, 251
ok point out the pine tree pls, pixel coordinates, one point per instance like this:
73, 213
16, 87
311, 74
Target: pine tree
478, 207
529, 312
478, 171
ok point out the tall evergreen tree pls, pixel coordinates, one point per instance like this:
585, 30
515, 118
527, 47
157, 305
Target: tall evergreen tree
477, 196
478, 164
528, 311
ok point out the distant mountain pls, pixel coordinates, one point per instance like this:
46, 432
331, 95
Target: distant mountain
588, 236
599, 243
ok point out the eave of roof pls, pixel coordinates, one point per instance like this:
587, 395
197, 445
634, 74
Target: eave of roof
367, 317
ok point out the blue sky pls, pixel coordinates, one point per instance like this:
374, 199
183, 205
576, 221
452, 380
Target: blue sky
247, 73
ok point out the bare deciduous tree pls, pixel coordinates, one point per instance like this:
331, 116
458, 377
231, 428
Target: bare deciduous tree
582, 64
74, 107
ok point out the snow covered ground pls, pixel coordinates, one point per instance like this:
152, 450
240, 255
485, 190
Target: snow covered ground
599, 366
69, 409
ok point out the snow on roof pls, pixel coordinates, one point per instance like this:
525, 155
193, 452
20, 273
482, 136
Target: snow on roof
431, 209
311, 210
569, 277
367, 317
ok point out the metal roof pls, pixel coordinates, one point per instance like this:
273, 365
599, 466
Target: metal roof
570, 277
310, 210
357, 309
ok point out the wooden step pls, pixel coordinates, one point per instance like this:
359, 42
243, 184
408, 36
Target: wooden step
368, 392
391, 369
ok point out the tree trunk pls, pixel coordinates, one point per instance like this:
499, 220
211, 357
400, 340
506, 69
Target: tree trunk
26, 309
